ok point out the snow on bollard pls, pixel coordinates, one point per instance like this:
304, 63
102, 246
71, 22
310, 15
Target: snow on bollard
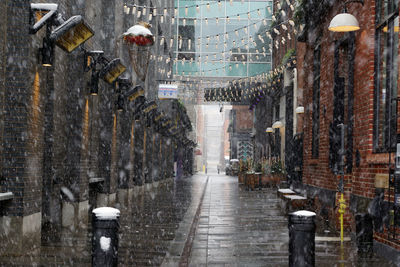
105, 237
302, 238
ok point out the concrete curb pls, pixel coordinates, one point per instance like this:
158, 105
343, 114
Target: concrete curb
180, 247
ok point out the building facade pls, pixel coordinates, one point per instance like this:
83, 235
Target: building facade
64, 150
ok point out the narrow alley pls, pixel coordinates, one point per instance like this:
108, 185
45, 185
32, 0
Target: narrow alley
199, 133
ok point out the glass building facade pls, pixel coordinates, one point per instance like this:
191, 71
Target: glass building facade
223, 38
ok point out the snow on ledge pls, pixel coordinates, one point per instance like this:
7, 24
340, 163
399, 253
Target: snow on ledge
41, 6
106, 213
304, 213
6, 196
286, 191
294, 197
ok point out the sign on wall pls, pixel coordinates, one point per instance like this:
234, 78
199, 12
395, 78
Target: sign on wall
168, 91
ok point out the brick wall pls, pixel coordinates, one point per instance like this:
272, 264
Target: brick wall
244, 118
316, 172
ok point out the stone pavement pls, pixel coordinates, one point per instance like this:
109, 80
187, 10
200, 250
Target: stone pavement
194, 221
246, 228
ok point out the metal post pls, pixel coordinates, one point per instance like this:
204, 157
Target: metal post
302, 238
364, 233
342, 201
105, 237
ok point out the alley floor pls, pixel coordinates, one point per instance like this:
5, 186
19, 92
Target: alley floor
236, 227
202, 220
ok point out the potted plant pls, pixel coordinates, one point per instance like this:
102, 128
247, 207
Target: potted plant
277, 172
257, 174
242, 171
266, 174
248, 179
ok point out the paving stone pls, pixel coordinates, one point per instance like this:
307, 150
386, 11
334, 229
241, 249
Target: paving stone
242, 228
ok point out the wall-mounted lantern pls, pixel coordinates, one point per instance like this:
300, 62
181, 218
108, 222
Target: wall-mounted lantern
269, 130
103, 68
123, 85
112, 70
345, 22
68, 35
277, 125
92, 58
136, 99
299, 110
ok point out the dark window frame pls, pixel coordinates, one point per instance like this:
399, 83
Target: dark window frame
316, 101
388, 132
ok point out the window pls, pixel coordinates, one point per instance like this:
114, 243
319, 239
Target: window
315, 109
386, 52
187, 47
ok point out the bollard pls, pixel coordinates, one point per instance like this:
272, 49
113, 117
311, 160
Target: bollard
364, 233
105, 237
302, 238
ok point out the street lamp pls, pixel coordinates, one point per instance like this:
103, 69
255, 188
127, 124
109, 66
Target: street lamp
68, 35
103, 68
299, 110
345, 22
277, 125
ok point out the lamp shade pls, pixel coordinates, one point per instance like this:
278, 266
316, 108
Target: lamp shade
344, 22
277, 125
300, 110
396, 26
269, 130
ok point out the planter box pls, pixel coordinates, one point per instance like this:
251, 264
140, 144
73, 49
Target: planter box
252, 181
294, 203
271, 180
241, 177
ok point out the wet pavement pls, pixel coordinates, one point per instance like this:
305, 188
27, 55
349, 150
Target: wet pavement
247, 228
194, 221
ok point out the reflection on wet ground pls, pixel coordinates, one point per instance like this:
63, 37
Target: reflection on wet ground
247, 228
149, 219
234, 227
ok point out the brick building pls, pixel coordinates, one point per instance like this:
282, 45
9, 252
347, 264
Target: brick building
240, 132
321, 79
63, 150
351, 79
